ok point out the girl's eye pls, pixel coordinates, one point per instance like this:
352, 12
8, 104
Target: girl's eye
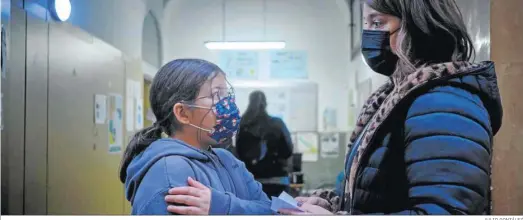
216, 96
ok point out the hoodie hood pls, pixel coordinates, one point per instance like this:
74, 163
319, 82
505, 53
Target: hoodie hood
156, 151
482, 80
479, 78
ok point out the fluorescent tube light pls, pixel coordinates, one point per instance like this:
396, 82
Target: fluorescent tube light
246, 45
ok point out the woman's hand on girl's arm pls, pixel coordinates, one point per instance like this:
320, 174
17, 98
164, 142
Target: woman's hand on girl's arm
194, 199
313, 200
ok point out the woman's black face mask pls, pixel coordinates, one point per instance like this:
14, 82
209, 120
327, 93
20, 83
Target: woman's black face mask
376, 50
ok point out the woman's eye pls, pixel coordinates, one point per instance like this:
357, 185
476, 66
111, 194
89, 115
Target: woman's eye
376, 24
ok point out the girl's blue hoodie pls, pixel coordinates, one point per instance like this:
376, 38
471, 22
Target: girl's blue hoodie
167, 163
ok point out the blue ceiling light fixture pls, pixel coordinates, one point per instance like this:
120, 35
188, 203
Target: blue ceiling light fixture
61, 9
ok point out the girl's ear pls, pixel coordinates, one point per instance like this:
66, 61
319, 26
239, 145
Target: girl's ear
182, 113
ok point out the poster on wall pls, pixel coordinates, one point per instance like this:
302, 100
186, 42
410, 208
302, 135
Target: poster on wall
115, 105
139, 114
239, 64
100, 109
129, 114
129, 105
138, 110
133, 106
288, 65
308, 146
330, 145
330, 119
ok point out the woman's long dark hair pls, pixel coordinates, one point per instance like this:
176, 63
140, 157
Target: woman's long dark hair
431, 31
256, 120
177, 81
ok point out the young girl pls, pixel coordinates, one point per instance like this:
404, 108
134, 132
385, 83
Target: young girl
195, 107
423, 142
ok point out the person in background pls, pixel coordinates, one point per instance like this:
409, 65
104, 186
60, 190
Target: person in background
182, 174
264, 145
423, 141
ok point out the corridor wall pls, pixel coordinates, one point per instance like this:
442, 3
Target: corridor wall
80, 168
507, 49
57, 158
311, 26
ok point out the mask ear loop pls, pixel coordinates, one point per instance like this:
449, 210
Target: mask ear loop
230, 95
231, 92
393, 32
200, 128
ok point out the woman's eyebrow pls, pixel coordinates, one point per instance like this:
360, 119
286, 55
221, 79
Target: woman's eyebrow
373, 15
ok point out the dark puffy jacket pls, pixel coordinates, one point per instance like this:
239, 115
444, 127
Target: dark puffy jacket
433, 154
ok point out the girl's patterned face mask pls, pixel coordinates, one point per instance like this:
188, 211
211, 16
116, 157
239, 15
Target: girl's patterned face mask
227, 119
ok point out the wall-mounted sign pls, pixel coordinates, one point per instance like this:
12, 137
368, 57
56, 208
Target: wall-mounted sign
100, 109
115, 105
288, 64
240, 64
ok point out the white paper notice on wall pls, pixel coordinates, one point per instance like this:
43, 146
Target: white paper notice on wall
139, 113
308, 146
129, 105
133, 116
115, 123
330, 145
129, 88
137, 89
330, 120
100, 109
129, 114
